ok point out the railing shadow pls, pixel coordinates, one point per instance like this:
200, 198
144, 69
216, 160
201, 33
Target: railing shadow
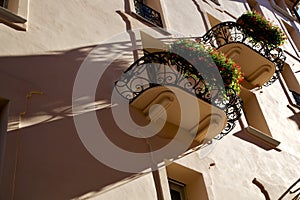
291, 191
51, 156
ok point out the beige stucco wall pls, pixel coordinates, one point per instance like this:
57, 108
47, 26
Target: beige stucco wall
53, 163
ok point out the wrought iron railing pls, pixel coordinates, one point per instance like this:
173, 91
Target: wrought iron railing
230, 32
169, 69
148, 13
292, 190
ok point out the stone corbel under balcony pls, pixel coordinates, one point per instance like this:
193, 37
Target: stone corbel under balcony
257, 69
229, 38
210, 122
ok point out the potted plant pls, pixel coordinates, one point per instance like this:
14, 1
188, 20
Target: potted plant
207, 61
259, 29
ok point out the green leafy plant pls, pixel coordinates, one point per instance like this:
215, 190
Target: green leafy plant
210, 64
259, 29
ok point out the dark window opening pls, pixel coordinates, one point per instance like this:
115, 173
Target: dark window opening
254, 6
177, 190
148, 13
4, 3
175, 195
216, 2
296, 97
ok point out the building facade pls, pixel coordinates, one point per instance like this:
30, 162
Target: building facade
60, 62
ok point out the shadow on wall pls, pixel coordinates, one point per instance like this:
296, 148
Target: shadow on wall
53, 76
44, 157
296, 118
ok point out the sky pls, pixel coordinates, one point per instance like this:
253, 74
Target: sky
298, 10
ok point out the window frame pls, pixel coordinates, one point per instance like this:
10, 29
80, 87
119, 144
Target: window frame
295, 11
178, 187
293, 36
193, 180
159, 25
4, 4
15, 15
4, 109
216, 2
254, 6
285, 11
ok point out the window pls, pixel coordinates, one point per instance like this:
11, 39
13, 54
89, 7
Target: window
296, 9
146, 11
4, 104
177, 190
185, 183
216, 2
281, 3
4, 3
257, 131
13, 13
294, 35
292, 83
289, 4
254, 6
296, 97
285, 7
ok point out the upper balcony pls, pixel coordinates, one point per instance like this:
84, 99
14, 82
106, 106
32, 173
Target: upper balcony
260, 61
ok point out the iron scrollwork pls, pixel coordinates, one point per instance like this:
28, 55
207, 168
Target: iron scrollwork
229, 32
169, 69
233, 112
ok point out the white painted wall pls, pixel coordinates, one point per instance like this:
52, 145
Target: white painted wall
54, 164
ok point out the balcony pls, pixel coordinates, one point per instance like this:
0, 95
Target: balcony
184, 91
260, 62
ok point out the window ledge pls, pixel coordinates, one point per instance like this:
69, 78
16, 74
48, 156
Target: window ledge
16, 26
282, 11
216, 2
16, 19
10, 16
269, 141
